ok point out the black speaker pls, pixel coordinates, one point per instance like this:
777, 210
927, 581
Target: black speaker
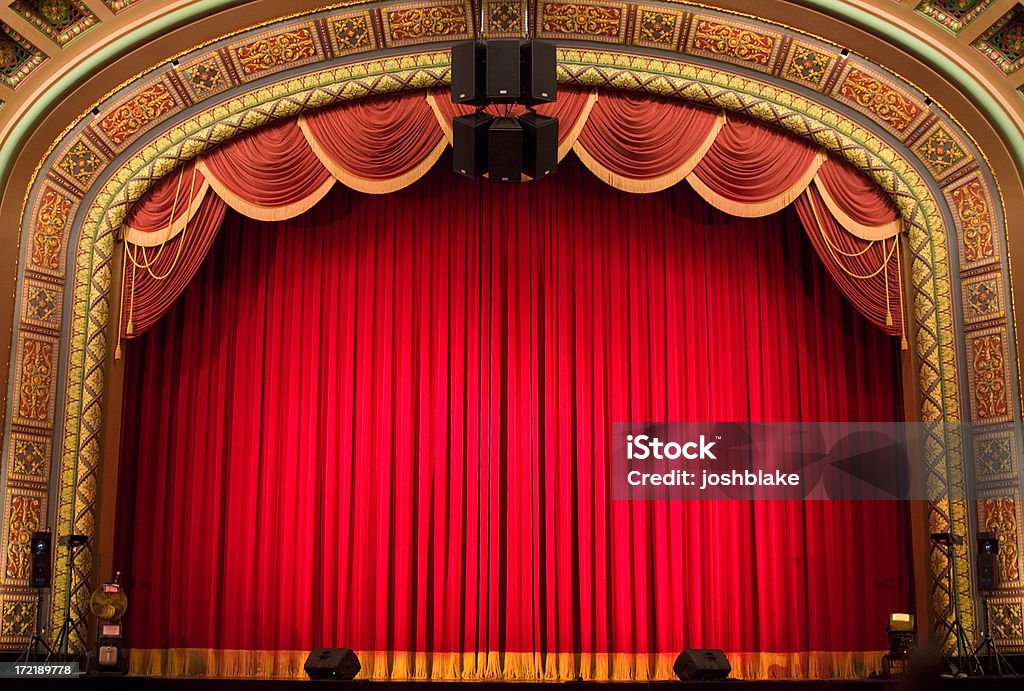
41, 552
503, 69
332, 663
701, 665
539, 83
505, 150
540, 145
468, 73
469, 144
988, 561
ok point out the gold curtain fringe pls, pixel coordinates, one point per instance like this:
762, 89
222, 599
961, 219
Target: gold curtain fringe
144, 238
370, 185
864, 232
493, 666
656, 184
567, 144
442, 121
258, 211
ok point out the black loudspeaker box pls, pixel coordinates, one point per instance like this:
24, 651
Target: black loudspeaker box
700, 665
503, 69
540, 145
539, 84
468, 73
469, 144
505, 150
332, 663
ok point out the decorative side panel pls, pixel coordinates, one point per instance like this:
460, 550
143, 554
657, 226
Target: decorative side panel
136, 114
276, 50
42, 304
24, 514
658, 27
424, 22
972, 211
352, 33
988, 374
741, 44
17, 617
588, 21
1000, 515
36, 383
879, 98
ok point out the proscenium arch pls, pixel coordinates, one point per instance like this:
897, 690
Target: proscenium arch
846, 133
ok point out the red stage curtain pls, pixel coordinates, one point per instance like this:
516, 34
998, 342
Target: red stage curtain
386, 425
156, 270
849, 260
641, 143
752, 170
376, 145
271, 174
858, 203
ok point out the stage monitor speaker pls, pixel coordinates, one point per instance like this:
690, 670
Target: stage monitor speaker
468, 73
540, 145
701, 665
988, 561
503, 69
505, 150
41, 553
332, 663
469, 144
539, 83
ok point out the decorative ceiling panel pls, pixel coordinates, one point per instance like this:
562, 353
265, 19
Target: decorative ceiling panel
61, 20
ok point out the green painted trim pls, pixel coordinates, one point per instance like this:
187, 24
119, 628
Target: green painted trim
918, 46
67, 82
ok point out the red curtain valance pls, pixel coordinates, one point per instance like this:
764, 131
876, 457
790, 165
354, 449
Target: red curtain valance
633, 142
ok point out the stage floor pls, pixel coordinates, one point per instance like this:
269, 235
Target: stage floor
184, 684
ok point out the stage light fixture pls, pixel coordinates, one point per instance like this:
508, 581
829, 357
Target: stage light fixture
988, 561
947, 539
41, 562
902, 641
498, 74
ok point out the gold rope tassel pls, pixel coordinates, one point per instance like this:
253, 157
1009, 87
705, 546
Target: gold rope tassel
885, 279
899, 279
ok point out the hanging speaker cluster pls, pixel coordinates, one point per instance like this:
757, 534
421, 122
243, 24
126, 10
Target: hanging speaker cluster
495, 75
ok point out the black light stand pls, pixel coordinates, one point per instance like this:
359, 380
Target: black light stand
995, 659
32, 650
73, 543
965, 662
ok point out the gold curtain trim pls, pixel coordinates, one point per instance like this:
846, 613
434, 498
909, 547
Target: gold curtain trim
258, 211
563, 148
648, 185
444, 123
569, 142
860, 230
371, 185
201, 662
146, 238
762, 208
